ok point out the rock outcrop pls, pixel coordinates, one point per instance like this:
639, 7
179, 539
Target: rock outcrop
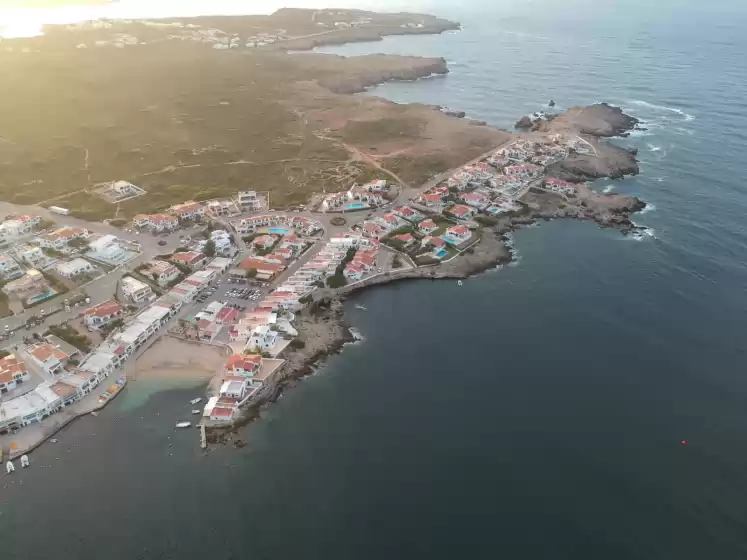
401, 69
523, 123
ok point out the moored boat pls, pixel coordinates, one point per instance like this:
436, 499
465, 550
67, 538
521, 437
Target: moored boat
24, 461
183, 424
9, 468
195, 401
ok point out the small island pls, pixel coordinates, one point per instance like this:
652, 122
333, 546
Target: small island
250, 193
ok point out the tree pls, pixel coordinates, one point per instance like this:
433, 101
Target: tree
251, 273
209, 249
154, 275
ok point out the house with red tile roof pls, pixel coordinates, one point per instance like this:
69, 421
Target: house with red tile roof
461, 211
457, 234
244, 365
102, 313
407, 213
427, 226
13, 372
192, 259
432, 200
187, 210
156, 222
476, 200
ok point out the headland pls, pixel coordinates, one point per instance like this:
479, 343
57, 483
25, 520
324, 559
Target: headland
265, 172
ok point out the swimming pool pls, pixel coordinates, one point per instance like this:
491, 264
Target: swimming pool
280, 230
354, 206
48, 293
440, 253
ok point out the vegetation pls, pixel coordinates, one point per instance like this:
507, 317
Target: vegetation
108, 328
381, 130
297, 344
78, 243
249, 238
209, 249
339, 280
4, 354
487, 221
305, 299
397, 262
71, 336
118, 222
338, 221
426, 260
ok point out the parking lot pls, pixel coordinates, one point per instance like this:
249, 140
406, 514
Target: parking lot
241, 295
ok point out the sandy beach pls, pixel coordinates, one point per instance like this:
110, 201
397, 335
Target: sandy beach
171, 357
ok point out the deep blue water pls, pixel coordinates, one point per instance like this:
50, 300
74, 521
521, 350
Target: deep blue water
534, 413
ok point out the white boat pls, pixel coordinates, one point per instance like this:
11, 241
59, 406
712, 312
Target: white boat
183, 424
195, 411
359, 306
9, 468
195, 401
53, 440
459, 282
24, 461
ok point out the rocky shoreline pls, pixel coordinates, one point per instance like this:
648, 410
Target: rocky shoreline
322, 325
398, 68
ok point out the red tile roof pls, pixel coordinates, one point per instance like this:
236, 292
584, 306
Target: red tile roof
243, 361
103, 309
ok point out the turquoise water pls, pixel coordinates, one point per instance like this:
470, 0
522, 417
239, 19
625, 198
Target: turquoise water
354, 206
441, 253
279, 230
46, 294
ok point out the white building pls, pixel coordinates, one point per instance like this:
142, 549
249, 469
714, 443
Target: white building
9, 268
100, 314
162, 272
13, 372
135, 290
33, 256
248, 200
262, 338
50, 358
74, 268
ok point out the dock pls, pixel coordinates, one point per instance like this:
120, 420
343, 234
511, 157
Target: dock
203, 437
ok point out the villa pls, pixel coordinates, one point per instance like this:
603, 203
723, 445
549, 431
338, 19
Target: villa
461, 212
526, 170
60, 238
457, 235
353, 272
135, 290
156, 222
100, 314
17, 226
188, 210
243, 365
405, 238
13, 372
262, 338
390, 221
407, 213
373, 229
161, 272
9, 268
427, 226
475, 200
248, 200
51, 358
32, 281
264, 241
432, 200
560, 186
220, 208
75, 267
108, 249
33, 256
191, 259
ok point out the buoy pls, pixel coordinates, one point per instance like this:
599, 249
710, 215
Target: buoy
684, 442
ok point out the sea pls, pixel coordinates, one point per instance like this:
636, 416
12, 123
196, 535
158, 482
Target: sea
587, 401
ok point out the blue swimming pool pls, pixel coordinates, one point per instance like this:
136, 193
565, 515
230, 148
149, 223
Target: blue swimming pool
441, 253
355, 206
280, 230
48, 293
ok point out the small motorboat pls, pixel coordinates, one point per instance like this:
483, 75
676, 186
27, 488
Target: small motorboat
195, 401
94, 414
9, 468
459, 282
183, 424
53, 440
24, 461
359, 306
195, 411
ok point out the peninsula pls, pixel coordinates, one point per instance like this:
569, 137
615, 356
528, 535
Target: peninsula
238, 193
